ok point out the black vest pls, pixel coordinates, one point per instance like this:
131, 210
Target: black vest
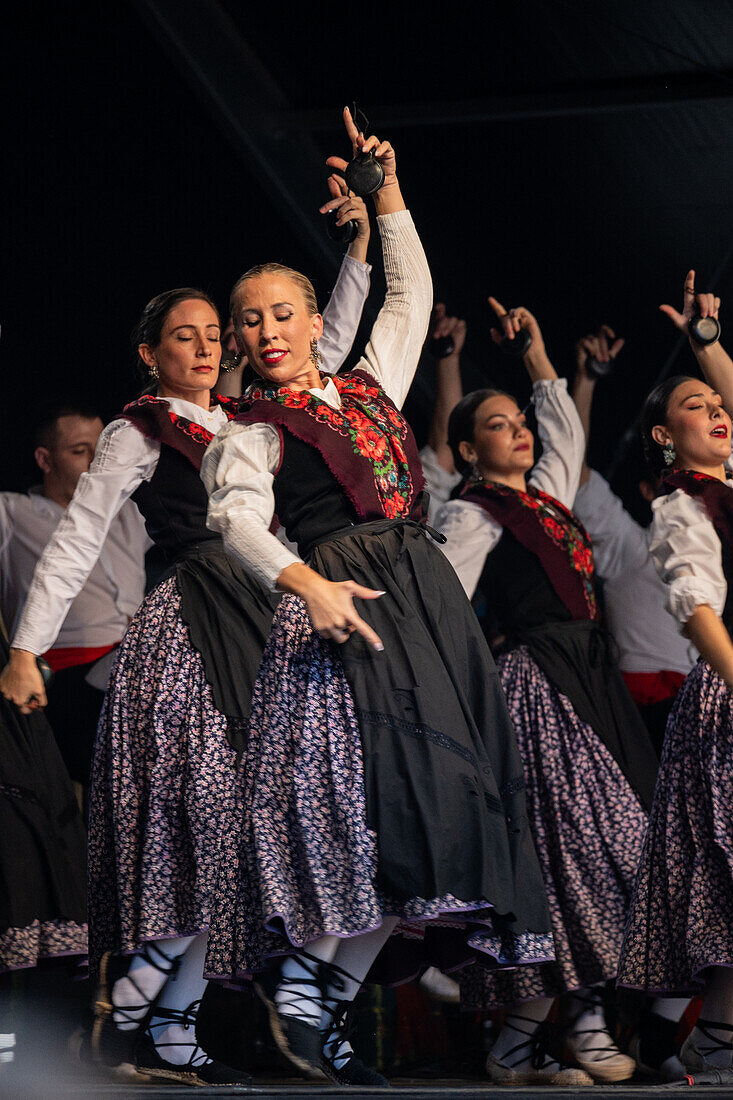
309, 502
174, 504
517, 591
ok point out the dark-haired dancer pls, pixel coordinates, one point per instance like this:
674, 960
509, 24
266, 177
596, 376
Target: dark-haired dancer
176, 712
382, 777
680, 931
588, 764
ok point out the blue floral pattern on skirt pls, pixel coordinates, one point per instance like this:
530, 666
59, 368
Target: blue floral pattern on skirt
304, 862
681, 917
588, 827
52, 939
164, 786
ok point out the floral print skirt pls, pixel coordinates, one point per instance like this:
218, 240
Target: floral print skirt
164, 786
370, 790
681, 917
588, 827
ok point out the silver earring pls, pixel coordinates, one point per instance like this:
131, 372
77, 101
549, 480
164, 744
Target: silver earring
153, 371
315, 353
669, 453
231, 362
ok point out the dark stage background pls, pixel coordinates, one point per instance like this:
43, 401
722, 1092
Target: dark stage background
568, 155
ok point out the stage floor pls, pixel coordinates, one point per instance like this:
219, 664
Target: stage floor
12, 1087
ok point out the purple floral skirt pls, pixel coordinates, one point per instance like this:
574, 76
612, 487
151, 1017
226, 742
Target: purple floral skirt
53, 939
681, 917
164, 787
305, 862
588, 827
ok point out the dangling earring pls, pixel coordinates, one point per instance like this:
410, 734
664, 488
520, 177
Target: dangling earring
669, 453
153, 371
231, 362
315, 353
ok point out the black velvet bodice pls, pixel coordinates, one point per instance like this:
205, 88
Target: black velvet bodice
517, 590
309, 502
174, 504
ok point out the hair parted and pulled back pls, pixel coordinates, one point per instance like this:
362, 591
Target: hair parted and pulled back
303, 283
149, 328
462, 423
655, 412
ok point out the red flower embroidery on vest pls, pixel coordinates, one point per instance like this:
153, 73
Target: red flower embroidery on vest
374, 427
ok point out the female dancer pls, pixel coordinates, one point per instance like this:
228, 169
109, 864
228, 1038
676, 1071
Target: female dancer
175, 715
680, 931
588, 763
382, 778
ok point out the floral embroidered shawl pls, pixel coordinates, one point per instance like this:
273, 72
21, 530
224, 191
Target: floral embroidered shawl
548, 529
154, 418
366, 443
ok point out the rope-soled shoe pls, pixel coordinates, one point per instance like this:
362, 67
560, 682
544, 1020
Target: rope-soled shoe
338, 1060
693, 1054
198, 1070
112, 1045
541, 1069
600, 1058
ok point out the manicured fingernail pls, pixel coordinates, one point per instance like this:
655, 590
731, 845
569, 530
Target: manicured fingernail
383, 592
379, 647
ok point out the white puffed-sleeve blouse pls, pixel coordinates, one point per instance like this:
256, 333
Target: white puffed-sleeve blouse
687, 554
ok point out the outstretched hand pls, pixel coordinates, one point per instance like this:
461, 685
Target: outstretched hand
604, 346
707, 304
333, 614
511, 321
442, 325
382, 150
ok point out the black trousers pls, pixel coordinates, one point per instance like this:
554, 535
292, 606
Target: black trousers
73, 712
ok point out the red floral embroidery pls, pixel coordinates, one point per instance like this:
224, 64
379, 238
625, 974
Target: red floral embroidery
375, 428
193, 430
563, 528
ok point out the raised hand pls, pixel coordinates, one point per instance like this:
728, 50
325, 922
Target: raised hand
388, 199
707, 304
511, 321
349, 206
442, 325
604, 346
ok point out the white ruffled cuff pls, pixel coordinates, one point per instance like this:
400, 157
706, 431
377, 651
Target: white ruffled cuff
688, 593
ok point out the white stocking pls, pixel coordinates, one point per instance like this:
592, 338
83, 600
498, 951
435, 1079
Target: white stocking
133, 994
513, 1045
176, 1041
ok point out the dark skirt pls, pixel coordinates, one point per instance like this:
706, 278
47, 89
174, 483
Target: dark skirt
579, 658
588, 827
164, 783
228, 614
380, 783
681, 917
42, 845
